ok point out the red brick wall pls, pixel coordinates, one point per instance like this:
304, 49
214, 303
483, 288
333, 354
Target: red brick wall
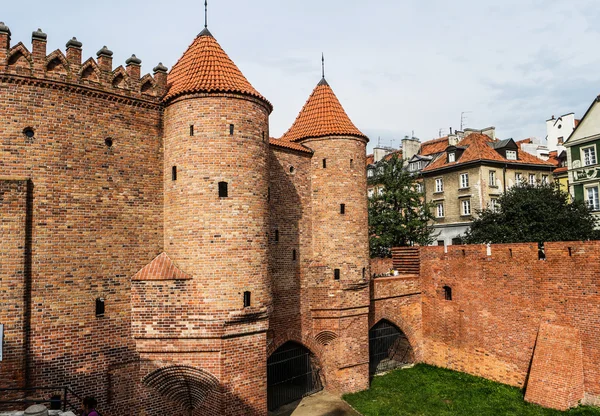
97, 211
397, 299
13, 279
499, 301
380, 265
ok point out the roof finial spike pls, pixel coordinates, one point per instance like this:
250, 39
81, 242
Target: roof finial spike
205, 14
323, 64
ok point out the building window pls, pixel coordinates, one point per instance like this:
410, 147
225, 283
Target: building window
511, 154
447, 293
592, 198
370, 192
324, 163
294, 255
419, 188
518, 178
342, 209
174, 173
451, 157
466, 207
246, 299
494, 204
191, 130
439, 185
531, 179
223, 191
336, 274
231, 129
544, 179
370, 173
561, 140
276, 235
589, 155
439, 212
380, 191
351, 163
492, 178
441, 243
100, 307
464, 180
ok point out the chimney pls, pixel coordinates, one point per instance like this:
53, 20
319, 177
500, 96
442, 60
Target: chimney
410, 147
74, 53
38, 50
4, 43
490, 132
133, 66
105, 59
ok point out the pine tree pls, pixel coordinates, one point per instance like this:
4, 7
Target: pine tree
398, 215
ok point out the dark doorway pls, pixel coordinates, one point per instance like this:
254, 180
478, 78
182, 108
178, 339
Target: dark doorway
292, 373
388, 348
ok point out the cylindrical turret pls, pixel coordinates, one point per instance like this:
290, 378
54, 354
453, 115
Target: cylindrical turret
216, 174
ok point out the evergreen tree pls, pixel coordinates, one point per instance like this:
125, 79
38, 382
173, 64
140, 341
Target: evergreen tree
397, 213
533, 213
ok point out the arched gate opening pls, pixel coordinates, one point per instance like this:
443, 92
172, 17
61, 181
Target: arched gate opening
292, 373
389, 348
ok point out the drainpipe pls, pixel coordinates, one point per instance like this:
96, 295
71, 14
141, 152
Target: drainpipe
504, 178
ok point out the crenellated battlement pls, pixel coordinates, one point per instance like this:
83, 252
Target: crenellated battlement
67, 68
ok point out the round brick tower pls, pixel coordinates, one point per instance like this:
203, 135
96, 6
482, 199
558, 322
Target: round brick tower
216, 216
339, 270
339, 185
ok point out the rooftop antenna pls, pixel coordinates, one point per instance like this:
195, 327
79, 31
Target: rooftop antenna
205, 14
463, 119
379, 141
323, 63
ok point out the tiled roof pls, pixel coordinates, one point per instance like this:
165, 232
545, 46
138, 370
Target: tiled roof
205, 67
434, 146
553, 158
577, 122
322, 116
289, 145
478, 149
370, 159
161, 268
561, 169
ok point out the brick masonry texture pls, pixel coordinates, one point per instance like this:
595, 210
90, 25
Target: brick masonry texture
510, 310
90, 208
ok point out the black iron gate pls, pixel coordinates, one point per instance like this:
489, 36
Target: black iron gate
292, 373
388, 348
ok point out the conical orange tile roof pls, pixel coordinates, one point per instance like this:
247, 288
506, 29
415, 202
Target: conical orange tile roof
205, 67
322, 116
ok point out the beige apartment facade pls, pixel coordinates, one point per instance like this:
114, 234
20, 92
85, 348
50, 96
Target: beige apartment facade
462, 184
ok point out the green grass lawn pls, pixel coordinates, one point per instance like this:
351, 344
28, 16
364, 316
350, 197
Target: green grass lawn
430, 391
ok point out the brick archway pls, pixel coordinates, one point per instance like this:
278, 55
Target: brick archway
187, 386
296, 336
407, 329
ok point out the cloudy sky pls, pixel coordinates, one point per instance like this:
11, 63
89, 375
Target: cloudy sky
396, 66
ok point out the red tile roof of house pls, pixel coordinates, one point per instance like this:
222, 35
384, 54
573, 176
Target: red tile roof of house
289, 145
205, 67
433, 146
370, 159
322, 116
477, 149
553, 157
161, 268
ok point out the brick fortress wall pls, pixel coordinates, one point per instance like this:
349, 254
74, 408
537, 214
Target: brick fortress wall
96, 211
516, 319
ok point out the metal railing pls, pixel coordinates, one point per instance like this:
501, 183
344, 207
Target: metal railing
60, 397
